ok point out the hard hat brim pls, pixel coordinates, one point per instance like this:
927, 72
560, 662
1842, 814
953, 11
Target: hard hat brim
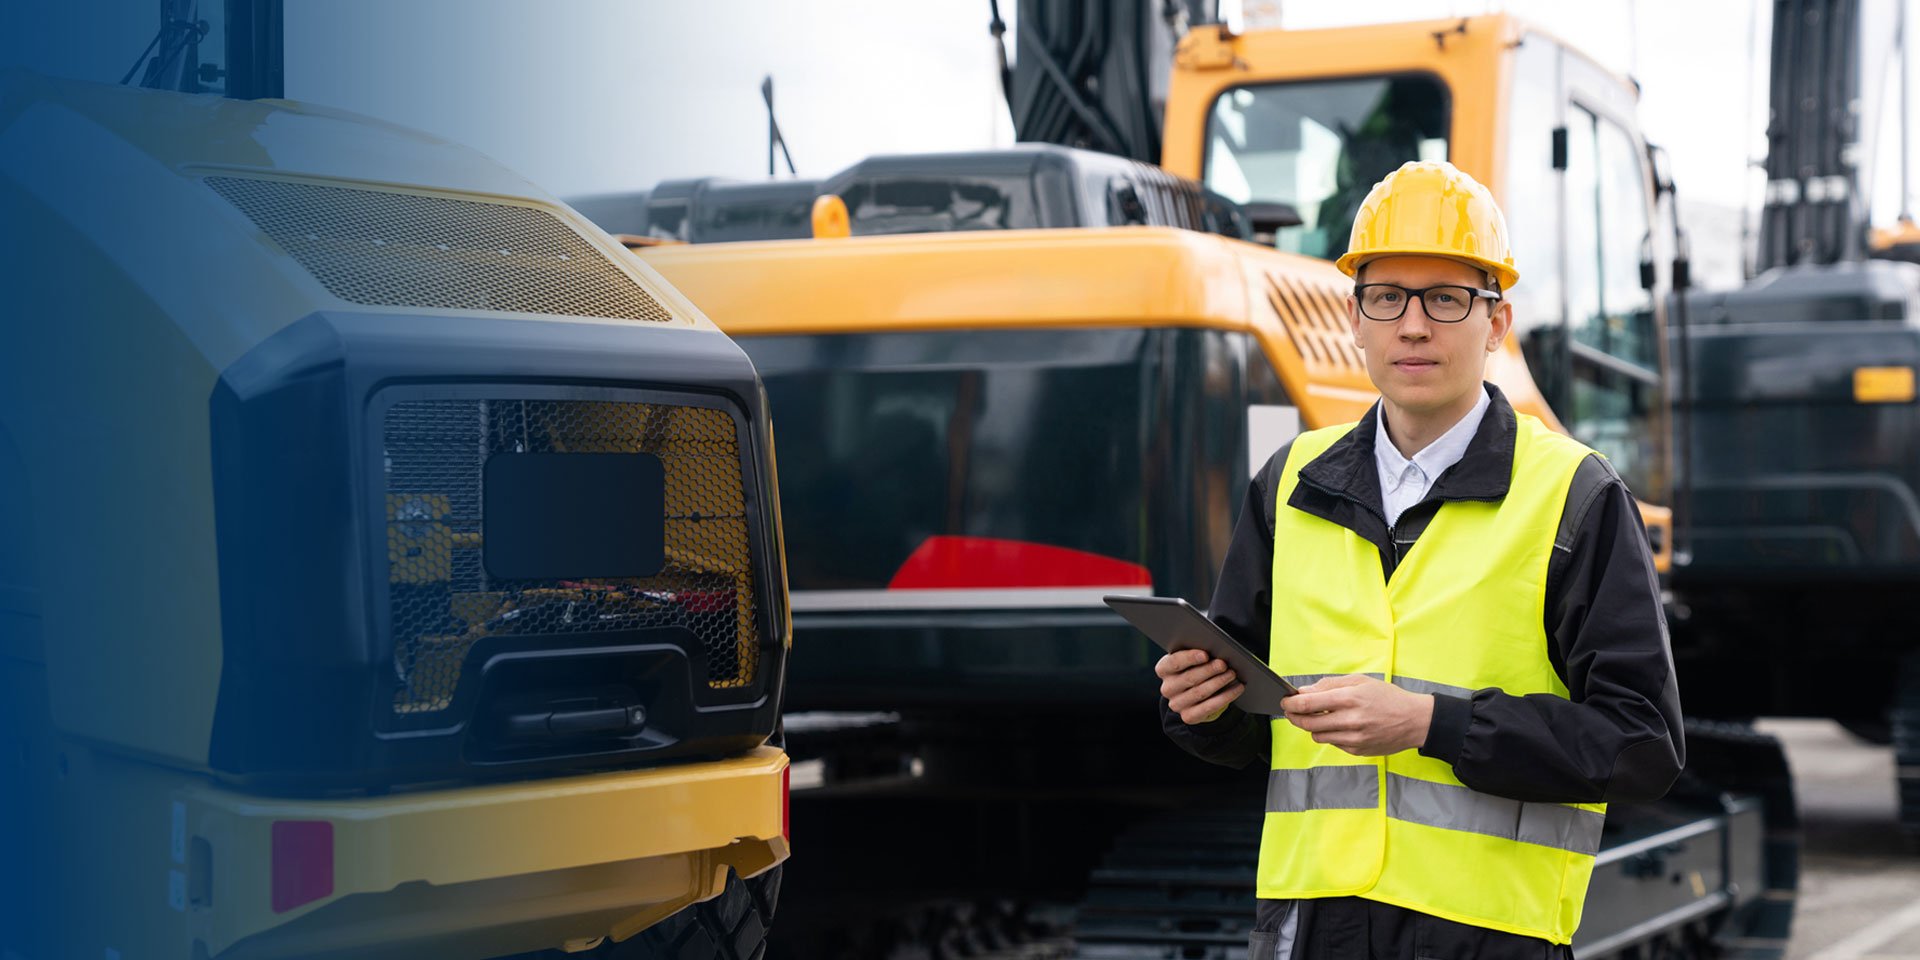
1350, 262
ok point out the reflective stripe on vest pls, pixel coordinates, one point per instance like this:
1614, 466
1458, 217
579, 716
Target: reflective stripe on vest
1463, 612
1554, 825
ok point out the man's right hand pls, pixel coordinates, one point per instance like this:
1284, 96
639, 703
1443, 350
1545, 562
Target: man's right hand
1196, 687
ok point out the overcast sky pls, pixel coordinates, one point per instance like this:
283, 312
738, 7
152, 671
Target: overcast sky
597, 95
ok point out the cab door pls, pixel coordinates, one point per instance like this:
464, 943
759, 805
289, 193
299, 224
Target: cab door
1579, 202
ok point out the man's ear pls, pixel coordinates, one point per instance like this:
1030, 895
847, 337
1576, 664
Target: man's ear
1353, 318
1502, 324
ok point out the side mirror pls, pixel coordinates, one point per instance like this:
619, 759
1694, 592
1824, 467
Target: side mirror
1660, 165
1269, 218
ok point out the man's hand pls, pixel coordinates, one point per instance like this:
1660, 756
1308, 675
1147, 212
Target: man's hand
1198, 689
1361, 715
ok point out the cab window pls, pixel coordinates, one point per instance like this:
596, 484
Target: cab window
1615, 361
1319, 147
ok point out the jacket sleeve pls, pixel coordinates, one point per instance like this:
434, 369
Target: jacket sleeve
1617, 736
1243, 607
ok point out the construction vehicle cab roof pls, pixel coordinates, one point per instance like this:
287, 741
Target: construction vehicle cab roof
1026, 186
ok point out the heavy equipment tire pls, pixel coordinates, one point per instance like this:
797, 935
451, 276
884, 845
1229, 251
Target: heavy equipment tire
731, 926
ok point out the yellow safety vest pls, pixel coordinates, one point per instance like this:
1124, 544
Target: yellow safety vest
1462, 612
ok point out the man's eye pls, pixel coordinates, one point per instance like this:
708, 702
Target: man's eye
1388, 296
1446, 298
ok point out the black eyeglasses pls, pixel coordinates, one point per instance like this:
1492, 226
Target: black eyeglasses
1444, 304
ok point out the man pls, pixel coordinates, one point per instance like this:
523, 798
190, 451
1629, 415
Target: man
1467, 601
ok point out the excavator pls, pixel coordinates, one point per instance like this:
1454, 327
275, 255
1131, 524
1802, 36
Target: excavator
1026, 379
390, 565
1801, 424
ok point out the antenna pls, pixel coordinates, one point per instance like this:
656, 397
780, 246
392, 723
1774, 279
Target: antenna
773, 128
1749, 253
998, 28
1906, 121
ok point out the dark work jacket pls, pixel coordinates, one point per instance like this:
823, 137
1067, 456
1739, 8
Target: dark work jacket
1618, 737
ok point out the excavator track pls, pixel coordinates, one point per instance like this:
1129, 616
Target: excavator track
1711, 872
1176, 886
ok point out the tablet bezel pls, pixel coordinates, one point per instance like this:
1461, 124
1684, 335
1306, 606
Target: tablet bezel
1173, 624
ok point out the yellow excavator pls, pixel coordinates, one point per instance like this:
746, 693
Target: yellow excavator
389, 564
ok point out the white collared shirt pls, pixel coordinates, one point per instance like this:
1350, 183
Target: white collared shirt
1405, 482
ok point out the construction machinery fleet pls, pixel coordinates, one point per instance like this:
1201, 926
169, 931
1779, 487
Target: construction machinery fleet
1801, 423
1060, 391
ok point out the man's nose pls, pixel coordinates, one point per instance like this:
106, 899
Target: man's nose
1414, 323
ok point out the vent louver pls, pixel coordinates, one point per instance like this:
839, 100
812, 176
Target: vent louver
384, 248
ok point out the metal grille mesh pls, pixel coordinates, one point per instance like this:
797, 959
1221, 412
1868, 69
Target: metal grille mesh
407, 250
443, 599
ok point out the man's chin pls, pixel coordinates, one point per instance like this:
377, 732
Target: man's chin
1422, 399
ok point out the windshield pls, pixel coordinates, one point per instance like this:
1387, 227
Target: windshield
1319, 147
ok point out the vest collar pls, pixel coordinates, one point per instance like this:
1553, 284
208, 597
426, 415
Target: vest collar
1485, 472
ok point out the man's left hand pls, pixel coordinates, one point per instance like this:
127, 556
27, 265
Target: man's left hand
1361, 715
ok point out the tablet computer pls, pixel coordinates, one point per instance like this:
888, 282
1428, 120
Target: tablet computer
1176, 625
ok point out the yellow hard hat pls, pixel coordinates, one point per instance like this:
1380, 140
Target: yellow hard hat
1430, 208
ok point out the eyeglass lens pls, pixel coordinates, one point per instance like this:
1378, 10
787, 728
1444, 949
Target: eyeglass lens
1385, 301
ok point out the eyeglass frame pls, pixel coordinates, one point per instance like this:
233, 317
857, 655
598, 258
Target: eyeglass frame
1474, 293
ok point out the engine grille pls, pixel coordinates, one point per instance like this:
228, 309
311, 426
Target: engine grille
408, 250
443, 600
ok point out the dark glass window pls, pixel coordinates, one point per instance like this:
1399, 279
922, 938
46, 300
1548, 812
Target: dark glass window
941, 204
1320, 147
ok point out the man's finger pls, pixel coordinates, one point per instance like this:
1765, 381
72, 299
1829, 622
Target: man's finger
1174, 684
1321, 702
1172, 664
1206, 709
1305, 703
1195, 676
1201, 691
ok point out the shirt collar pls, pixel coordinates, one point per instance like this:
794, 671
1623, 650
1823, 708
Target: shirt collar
1348, 470
1436, 457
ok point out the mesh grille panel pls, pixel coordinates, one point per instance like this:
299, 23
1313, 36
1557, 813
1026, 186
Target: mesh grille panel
407, 250
444, 600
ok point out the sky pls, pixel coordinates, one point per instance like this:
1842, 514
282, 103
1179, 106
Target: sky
597, 95
617, 94
591, 96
